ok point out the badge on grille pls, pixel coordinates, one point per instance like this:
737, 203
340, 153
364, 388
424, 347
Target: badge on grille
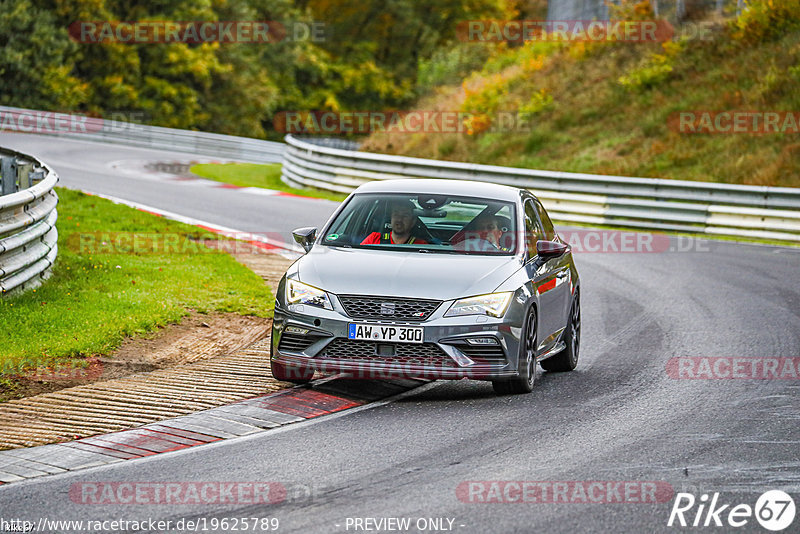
387, 308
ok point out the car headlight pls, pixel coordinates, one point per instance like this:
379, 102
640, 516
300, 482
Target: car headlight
493, 304
300, 293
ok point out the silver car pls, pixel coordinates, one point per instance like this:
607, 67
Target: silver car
436, 279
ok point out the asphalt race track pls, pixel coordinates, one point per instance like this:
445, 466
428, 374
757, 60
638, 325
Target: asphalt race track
88, 166
621, 416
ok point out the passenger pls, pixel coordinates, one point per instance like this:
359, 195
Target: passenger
403, 221
488, 228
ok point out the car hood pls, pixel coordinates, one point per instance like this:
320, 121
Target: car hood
403, 274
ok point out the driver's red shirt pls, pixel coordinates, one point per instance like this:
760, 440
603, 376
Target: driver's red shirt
375, 239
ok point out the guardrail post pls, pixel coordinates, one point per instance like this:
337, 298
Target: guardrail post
37, 176
8, 174
24, 171
30, 238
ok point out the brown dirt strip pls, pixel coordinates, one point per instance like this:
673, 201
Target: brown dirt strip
205, 362
131, 401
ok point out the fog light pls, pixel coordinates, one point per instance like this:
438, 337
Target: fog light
296, 330
482, 341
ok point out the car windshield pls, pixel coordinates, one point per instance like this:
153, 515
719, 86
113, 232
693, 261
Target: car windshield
446, 224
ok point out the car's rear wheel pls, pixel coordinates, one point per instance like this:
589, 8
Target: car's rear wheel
567, 359
291, 373
527, 361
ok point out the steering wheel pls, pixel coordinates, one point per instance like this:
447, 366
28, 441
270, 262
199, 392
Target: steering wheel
422, 232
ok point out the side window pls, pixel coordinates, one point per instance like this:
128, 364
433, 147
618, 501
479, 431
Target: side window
533, 231
372, 218
549, 231
355, 223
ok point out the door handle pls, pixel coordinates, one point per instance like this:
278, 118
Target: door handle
562, 274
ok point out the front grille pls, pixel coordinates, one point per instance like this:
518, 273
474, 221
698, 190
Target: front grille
483, 353
368, 307
427, 354
296, 342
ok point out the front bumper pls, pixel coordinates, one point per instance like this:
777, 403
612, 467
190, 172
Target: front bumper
445, 353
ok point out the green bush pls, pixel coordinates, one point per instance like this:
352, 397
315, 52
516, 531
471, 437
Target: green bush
652, 73
763, 20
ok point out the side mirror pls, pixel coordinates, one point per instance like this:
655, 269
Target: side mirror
550, 249
305, 237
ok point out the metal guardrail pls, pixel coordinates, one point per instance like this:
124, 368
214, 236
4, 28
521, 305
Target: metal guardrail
640, 203
334, 165
331, 142
132, 134
28, 235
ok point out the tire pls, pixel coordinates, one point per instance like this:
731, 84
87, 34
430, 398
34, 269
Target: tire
295, 375
567, 359
527, 361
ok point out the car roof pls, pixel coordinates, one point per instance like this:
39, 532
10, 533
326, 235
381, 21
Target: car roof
443, 186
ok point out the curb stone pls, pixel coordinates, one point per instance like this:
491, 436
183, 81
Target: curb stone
256, 414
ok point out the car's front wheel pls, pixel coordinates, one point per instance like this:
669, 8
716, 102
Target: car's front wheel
293, 374
567, 359
527, 361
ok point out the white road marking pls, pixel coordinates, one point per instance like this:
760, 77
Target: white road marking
284, 249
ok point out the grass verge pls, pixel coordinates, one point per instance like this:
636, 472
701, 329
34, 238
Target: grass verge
106, 286
266, 176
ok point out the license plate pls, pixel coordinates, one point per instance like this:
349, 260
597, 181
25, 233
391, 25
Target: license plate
378, 332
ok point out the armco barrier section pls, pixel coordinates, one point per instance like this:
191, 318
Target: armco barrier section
641, 203
28, 235
132, 134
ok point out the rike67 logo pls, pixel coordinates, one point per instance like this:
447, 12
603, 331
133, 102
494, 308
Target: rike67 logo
774, 510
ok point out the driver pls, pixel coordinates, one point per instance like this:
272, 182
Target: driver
488, 228
403, 221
